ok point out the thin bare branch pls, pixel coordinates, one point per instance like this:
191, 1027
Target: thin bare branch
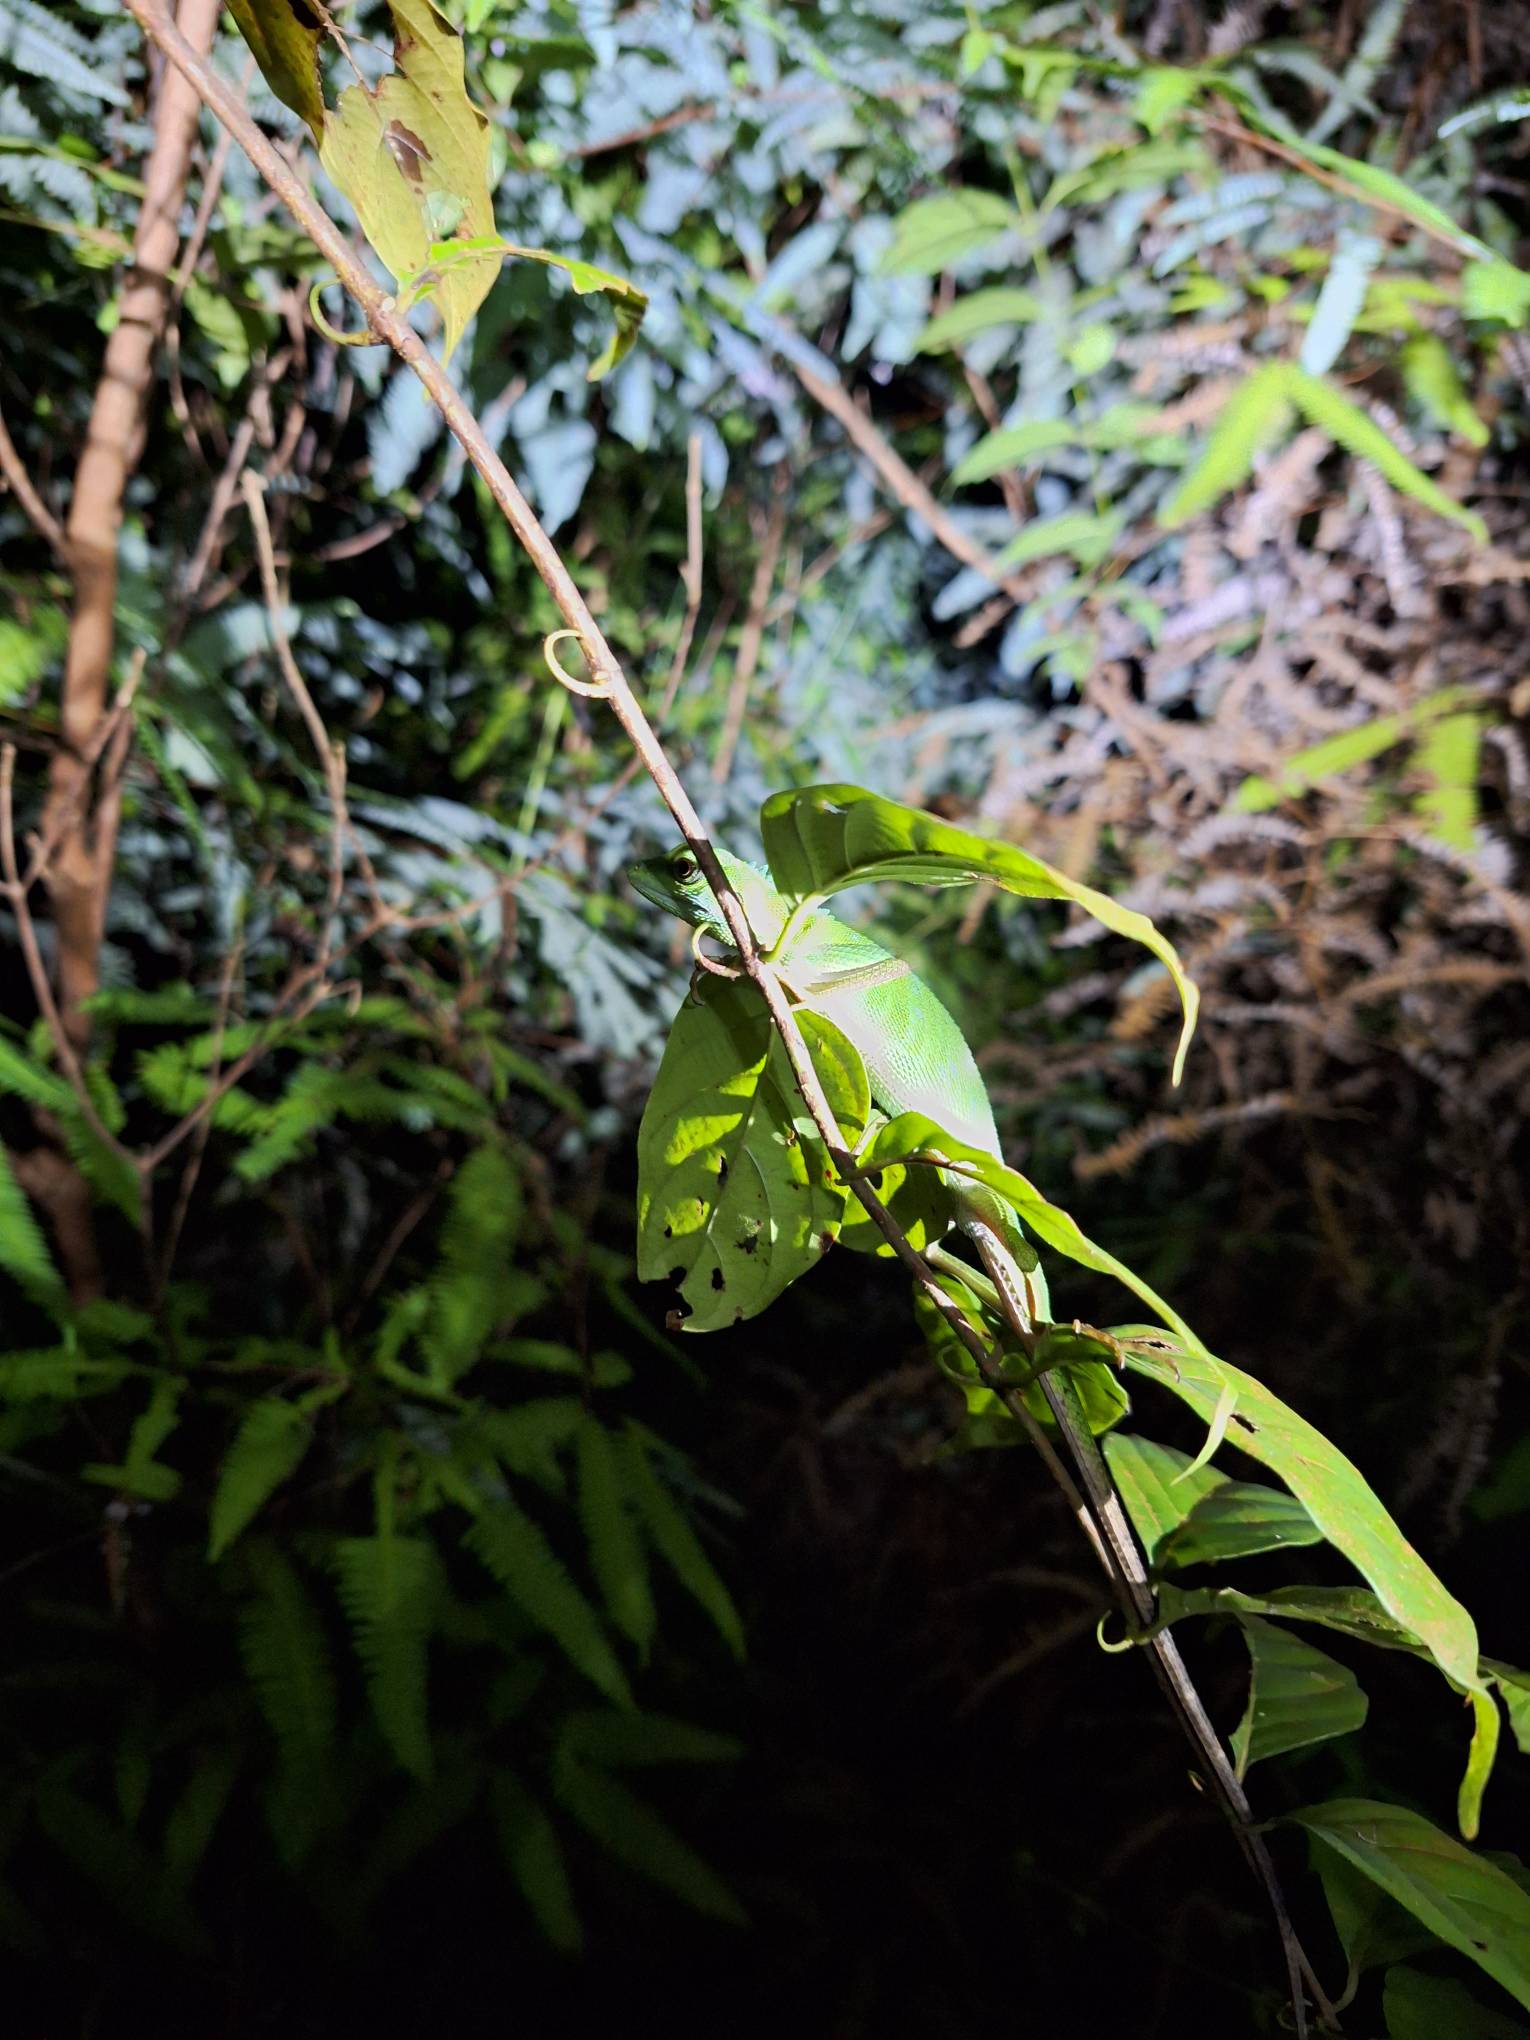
25, 490
752, 637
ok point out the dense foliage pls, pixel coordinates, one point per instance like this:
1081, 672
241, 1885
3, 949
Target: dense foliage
1104, 429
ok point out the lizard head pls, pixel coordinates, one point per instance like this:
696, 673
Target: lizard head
677, 883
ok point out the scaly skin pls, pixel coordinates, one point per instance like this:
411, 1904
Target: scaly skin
916, 1057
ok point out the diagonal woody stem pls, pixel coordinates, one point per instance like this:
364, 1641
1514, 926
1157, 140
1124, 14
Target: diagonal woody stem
607, 681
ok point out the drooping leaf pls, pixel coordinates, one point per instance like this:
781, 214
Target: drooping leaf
1339, 300
284, 37
1330, 1488
735, 1191
628, 303
820, 839
412, 156
1297, 1696
1463, 1898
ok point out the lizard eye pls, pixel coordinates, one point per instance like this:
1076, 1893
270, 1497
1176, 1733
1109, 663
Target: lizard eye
683, 867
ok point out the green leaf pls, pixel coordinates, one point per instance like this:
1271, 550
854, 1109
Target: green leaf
1158, 1486
286, 1656
669, 1531
1467, 1901
633, 1833
140, 1473
1297, 1696
1449, 753
267, 1449
413, 155
933, 233
193, 1819
598, 1736
1083, 534
821, 839
284, 36
120, 1867
1495, 290
1255, 413
628, 303
617, 1557
1432, 381
1420, 2007
1331, 1489
1327, 407
24, 1254
535, 1858
1240, 1520
515, 1551
736, 1195
389, 1587
1514, 1690
978, 312
1314, 767
1009, 445
1163, 90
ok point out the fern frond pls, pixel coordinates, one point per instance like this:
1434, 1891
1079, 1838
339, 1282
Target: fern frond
193, 1820
535, 1859
389, 1587
475, 1287
126, 1873
527, 1438
37, 42
267, 1450
515, 1551
629, 1829
617, 1556
286, 1657
676, 1542
24, 1077
24, 1254
596, 1735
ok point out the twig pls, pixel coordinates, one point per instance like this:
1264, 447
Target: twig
15, 890
648, 132
894, 472
22, 487
1237, 132
331, 754
752, 637
690, 574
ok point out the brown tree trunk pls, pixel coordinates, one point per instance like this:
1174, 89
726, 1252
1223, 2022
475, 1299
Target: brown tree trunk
79, 876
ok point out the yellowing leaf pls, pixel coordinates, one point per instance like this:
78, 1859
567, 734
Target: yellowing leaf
413, 158
284, 38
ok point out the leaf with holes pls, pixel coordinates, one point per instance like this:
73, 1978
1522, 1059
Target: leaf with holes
736, 1195
413, 158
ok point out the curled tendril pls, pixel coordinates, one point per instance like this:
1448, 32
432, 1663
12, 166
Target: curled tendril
362, 337
1128, 1642
710, 963
596, 690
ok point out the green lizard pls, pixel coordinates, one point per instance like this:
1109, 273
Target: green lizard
917, 1058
